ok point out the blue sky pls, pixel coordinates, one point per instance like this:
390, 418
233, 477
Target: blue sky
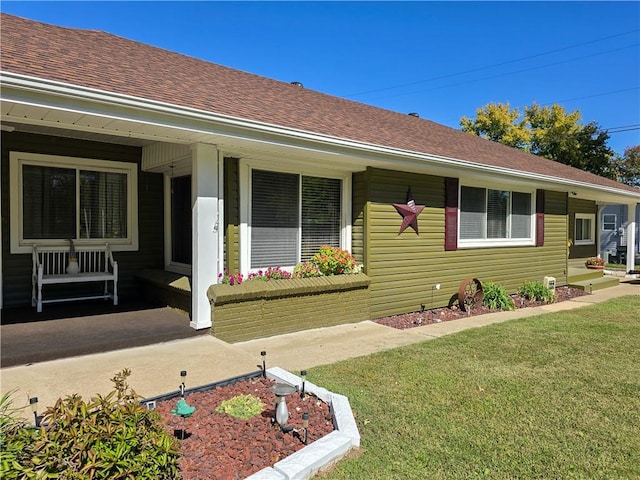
442, 60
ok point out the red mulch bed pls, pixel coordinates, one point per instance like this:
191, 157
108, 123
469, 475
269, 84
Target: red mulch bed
445, 314
218, 446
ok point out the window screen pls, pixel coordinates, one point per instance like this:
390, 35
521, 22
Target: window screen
320, 214
274, 219
49, 202
472, 212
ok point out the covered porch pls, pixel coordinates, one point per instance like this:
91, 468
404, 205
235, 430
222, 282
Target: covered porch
84, 328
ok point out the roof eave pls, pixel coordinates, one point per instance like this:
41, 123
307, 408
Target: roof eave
227, 124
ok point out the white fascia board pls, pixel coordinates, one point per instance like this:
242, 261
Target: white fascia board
125, 107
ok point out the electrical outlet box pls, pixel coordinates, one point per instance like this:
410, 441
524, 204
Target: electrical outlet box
550, 282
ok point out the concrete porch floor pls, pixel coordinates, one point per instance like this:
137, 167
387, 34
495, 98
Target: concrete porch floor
82, 328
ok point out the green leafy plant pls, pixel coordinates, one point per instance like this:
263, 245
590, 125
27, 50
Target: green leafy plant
306, 270
334, 261
537, 291
109, 437
241, 406
496, 297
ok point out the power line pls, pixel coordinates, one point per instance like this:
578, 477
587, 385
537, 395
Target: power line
507, 73
628, 128
591, 96
490, 66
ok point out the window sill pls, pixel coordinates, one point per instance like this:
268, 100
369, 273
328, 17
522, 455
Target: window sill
495, 243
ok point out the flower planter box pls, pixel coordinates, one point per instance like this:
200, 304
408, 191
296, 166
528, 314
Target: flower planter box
257, 309
595, 267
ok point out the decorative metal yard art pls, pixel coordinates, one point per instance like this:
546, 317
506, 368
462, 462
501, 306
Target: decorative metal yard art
409, 212
470, 294
183, 409
281, 390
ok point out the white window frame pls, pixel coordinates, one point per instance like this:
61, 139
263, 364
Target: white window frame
592, 234
247, 165
498, 242
16, 161
615, 222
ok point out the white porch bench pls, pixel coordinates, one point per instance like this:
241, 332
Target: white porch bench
96, 264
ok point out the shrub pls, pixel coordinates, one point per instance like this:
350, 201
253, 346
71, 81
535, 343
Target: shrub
15, 437
241, 406
538, 292
110, 437
306, 270
334, 261
496, 297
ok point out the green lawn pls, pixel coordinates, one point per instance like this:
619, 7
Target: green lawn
618, 266
554, 396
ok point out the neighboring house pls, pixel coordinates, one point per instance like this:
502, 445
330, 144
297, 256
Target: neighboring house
613, 233
193, 167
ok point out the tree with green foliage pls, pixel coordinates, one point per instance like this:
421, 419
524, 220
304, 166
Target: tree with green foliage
500, 123
547, 131
627, 166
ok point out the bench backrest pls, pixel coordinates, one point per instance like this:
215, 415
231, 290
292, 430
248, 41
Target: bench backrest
55, 261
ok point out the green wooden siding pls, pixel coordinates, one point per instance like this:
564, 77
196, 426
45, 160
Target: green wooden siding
405, 268
577, 205
16, 269
358, 183
231, 214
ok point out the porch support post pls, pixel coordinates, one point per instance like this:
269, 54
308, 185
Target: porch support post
631, 236
205, 214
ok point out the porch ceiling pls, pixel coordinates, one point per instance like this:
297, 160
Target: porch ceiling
81, 125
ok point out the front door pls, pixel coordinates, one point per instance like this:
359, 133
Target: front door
181, 246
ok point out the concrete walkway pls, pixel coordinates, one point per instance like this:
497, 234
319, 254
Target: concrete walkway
156, 368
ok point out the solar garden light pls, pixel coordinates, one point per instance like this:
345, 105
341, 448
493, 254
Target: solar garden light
264, 363
303, 375
183, 409
33, 402
183, 377
305, 426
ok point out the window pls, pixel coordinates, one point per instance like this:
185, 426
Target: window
493, 217
59, 198
584, 233
292, 215
608, 222
288, 212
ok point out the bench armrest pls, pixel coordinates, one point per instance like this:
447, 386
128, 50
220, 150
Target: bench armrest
37, 264
110, 261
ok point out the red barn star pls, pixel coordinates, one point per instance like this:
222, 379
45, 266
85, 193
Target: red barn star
409, 212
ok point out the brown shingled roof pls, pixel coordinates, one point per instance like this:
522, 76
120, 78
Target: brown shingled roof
114, 64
